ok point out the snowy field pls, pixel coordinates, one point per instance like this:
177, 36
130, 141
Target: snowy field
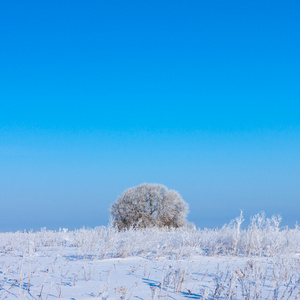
261, 261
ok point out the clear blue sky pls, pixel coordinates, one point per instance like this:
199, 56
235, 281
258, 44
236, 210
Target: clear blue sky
99, 96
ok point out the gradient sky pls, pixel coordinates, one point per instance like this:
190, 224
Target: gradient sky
99, 96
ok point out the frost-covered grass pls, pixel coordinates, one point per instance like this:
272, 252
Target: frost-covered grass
261, 261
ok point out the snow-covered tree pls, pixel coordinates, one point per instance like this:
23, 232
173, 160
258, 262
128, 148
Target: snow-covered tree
149, 205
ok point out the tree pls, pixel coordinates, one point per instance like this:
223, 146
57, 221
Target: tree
149, 205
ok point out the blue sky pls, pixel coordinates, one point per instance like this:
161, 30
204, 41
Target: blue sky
99, 96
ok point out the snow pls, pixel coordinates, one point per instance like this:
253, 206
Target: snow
187, 263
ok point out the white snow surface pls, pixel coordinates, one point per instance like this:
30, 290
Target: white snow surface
259, 262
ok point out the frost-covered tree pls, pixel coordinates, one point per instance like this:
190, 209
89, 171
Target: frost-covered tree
149, 205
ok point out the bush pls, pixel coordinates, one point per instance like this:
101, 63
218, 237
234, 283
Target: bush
149, 205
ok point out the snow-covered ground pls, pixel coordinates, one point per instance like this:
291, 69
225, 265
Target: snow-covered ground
259, 262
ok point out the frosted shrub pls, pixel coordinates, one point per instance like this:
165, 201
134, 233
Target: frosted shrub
149, 205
